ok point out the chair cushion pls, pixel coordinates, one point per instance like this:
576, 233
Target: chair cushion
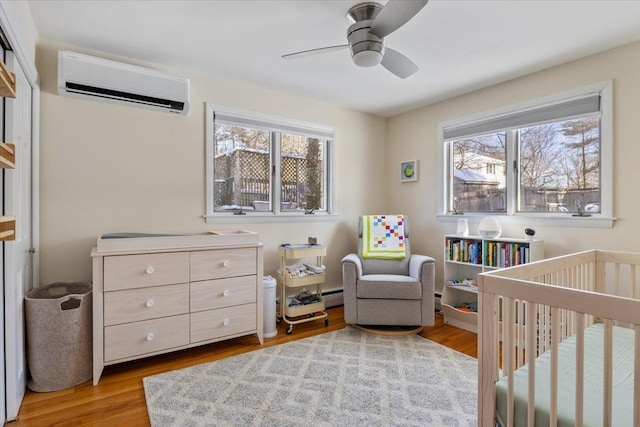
388, 286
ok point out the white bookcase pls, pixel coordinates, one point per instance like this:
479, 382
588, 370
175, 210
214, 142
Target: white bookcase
467, 256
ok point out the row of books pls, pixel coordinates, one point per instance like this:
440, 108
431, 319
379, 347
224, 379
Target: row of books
464, 251
488, 253
502, 254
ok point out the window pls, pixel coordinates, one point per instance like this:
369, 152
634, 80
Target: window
551, 157
261, 165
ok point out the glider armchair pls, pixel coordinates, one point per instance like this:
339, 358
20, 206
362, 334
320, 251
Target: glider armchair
388, 292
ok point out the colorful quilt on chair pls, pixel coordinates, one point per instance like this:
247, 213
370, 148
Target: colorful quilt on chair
383, 237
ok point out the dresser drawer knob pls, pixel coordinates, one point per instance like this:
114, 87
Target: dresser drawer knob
150, 303
226, 292
226, 263
149, 270
150, 336
225, 322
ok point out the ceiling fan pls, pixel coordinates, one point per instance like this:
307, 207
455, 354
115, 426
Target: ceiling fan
372, 22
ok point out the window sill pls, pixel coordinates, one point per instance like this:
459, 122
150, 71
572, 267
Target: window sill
532, 220
267, 217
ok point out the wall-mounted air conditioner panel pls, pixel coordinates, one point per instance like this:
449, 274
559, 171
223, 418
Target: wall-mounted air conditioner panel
105, 80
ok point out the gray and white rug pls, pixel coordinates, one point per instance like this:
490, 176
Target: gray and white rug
340, 378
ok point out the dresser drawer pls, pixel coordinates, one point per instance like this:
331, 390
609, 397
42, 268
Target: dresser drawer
223, 263
220, 293
145, 303
212, 324
139, 271
148, 336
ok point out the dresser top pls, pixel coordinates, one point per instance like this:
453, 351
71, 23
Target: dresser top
135, 242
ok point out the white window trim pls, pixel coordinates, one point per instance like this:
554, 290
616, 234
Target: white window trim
212, 217
604, 219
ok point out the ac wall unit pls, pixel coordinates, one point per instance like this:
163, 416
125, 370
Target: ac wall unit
100, 79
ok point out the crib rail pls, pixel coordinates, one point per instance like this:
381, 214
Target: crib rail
530, 309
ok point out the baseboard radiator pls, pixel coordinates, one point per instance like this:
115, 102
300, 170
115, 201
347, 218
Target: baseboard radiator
331, 297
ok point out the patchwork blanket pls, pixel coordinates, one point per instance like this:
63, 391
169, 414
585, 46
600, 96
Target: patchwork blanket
383, 237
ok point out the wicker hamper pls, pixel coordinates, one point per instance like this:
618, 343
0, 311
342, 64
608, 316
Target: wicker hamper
59, 334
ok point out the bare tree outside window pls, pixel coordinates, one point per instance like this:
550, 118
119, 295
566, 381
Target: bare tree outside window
583, 140
559, 166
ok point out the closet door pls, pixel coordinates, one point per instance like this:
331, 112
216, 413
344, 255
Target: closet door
18, 268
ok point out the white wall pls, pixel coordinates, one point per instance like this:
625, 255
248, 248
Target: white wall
110, 168
414, 135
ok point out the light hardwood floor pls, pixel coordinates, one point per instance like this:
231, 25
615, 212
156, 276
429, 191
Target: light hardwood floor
118, 400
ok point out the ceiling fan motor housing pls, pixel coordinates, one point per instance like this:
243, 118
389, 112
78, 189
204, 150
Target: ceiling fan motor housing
367, 49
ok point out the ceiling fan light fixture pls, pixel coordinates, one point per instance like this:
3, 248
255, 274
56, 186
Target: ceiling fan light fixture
367, 58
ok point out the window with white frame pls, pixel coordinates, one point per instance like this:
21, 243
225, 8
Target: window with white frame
266, 165
549, 157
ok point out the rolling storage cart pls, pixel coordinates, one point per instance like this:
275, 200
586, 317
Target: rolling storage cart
293, 310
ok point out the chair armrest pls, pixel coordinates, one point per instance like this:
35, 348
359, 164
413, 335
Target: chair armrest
351, 273
423, 268
352, 261
416, 263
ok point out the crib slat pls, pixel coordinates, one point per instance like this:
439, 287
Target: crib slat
507, 358
521, 345
608, 370
532, 311
579, 370
553, 394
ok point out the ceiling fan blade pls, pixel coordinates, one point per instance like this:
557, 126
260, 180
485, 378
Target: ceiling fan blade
394, 15
312, 52
398, 64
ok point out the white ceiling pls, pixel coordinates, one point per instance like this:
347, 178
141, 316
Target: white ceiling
459, 45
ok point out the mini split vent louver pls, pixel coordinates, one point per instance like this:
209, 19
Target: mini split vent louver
100, 79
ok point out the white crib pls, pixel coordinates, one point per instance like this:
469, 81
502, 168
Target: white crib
567, 331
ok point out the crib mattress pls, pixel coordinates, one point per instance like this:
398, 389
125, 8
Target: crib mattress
593, 381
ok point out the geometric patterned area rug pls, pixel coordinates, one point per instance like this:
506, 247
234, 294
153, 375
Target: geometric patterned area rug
341, 378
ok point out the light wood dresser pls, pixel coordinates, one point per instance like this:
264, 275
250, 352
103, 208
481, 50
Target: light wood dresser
157, 294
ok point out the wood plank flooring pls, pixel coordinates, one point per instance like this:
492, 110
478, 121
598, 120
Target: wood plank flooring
118, 400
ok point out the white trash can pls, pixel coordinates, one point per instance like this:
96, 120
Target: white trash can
269, 299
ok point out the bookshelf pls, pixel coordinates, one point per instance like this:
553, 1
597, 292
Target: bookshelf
467, 256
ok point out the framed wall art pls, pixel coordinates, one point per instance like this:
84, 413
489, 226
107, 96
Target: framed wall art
409, 171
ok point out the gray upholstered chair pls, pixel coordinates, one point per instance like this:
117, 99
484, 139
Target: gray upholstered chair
381, 292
